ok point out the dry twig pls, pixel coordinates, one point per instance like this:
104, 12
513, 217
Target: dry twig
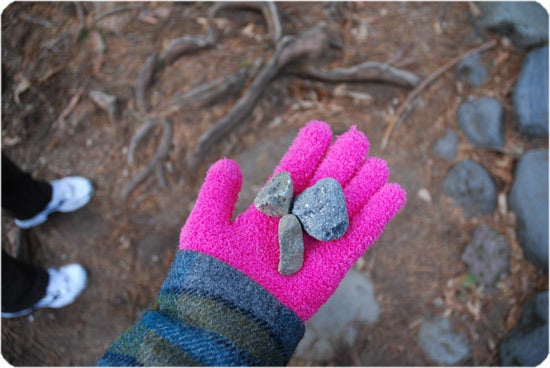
405, 105
144, 79
69, 108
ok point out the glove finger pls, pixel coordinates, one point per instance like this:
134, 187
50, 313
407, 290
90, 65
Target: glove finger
343, 158
218, 195
305, 153
368, 180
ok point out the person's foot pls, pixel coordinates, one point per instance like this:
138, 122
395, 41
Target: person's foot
68, 194
64, 286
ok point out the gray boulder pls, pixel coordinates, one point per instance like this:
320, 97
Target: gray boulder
472, 188
441, 343
525, 23
531, 94
528, 198
527, 343
481, 119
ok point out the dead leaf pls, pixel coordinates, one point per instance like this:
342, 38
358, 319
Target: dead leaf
22, 85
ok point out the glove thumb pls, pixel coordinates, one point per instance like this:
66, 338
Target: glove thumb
217, 197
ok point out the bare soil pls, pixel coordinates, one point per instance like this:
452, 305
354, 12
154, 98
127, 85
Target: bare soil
55, 54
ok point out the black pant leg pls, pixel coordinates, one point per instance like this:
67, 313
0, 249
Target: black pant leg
23, 285
22, 196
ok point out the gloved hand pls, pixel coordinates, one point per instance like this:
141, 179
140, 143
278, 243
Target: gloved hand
250, 242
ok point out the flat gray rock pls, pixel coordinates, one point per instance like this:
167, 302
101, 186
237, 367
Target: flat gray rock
275, 198
472, 188
481, 119
442, 344
446, 147
352, 304
471, 71
528, 198
291, 245
487, 256
322, 210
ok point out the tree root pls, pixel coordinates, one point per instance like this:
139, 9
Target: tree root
267, 8
308, 44
160, 156
364, 72
211, 92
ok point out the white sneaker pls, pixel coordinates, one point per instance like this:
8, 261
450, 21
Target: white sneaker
68, 194
64, 286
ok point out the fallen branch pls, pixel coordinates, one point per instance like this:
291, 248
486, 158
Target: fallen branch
405, 105
267, 8
308, 44
364, 72
160, 156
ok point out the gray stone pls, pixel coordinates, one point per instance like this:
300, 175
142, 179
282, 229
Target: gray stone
481, 120
275, 198
531, 94
322, 210
472, 188
528, 198
471, 71
353, 302
441, 343
527, 343
525, 23
487, 256
446, 147
291, 245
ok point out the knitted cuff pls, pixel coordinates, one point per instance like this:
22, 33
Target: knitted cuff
209, 313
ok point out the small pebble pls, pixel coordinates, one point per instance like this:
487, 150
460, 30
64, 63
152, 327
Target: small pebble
291, 245
275, 198
322, 210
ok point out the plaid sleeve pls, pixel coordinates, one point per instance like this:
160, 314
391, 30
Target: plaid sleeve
208, 313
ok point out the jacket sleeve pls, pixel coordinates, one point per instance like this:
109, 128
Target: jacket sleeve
208, 313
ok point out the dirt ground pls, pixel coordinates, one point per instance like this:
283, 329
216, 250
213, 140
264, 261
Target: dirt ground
55, 54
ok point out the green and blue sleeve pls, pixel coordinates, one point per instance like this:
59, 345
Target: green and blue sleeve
208, 313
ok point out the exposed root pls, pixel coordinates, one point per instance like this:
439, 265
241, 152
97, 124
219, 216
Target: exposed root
156, 163
267, 8
364, 72
144, 80
309, 44
186, 44
211, 92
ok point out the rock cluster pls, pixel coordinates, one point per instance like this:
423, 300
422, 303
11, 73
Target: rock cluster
320, 210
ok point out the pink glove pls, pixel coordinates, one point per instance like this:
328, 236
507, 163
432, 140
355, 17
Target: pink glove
250, 243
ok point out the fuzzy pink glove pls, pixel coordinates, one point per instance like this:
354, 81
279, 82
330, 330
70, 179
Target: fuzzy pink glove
250, 242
